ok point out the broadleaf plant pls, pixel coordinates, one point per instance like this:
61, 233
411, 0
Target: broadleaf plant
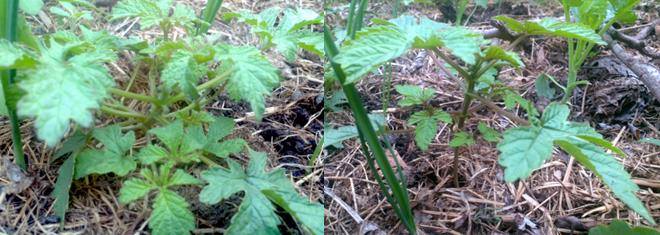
63, 82
476, 62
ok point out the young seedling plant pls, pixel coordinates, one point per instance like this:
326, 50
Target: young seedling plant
475, 60
63, 85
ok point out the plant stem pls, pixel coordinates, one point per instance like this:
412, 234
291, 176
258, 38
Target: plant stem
10, 19
209, 84
134, 96
123, 114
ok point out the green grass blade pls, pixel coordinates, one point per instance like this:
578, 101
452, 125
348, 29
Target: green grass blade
9, 14
368, 135
208, 15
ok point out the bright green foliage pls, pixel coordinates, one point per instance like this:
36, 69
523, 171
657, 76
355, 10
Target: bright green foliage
64, 88
182, 71
134, 189
595, 13
498, 53
511, 99
553, 27
171, 215
186, 145
622, 228
155, 13
252, 75
113, 158
526, 148
31, 7
414, 95
289, 33
376, 45
256, 214
488, 133
371, 48
427, 126
461, 139
3, 107
335, 136
11, 57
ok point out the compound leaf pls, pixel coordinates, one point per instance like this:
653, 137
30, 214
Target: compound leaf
150, 12
171, 215
63, 89
252, 75
182, 72
180, 177
414, 95
256, 212
112, 159
488, 133
461, 139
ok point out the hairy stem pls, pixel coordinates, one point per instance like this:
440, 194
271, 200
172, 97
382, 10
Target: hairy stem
135, 96
124, 114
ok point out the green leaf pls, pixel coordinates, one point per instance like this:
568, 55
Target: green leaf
182, 71
256, 212
151, 154
612, 174
151, 13
219, 129
112, 158
171, 215
461, 139
542, 85
427, 126
180, 177
624, 10
31, 7
462, 42
622, 228
64, 88
335, 136
3, 106
656, 142
553, 27
371, 48
134, 189
414, 95
498, 53
226, 148
62, 187
252, 75
526, 148
489, 134
171, 135
12, 57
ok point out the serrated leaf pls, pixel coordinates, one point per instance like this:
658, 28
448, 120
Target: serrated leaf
252, 76
613, 175
151, 154
489, 134
462, 42
414, 95
62, 187
372, 47
624, 10
498, 53
149, 12
171, 135
304, 211
31, 7
526, 148
180, 177
112, 158
226, 148
461, 139
256, 212
182, 72
62, 89
134, 189
335, 136
171, 215
553, 27
427, 126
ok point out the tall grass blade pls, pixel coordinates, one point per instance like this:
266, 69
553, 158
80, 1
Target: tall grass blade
9, 14
398, 197
208, 15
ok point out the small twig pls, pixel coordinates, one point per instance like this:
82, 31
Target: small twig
648, 74
634, 42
